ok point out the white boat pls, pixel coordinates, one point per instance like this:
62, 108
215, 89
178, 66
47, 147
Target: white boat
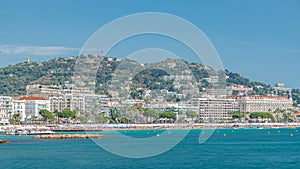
45, 132
21, 132
260, 127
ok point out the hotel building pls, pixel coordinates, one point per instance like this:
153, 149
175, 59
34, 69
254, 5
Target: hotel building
219, 108
213, 108
33, 105
69, 97
264, 103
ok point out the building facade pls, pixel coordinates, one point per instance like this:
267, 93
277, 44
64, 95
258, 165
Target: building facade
264, 103
69, 97
213, 108
33, 105
6, 108
220, 108
19, 107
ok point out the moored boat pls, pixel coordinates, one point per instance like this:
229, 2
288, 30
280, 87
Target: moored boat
47, 132
20, 132
4, 141
260, 127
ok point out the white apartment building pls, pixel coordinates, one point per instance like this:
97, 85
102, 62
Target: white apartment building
212, 79
263, 103
219, 108
96, 103
217, 92
240, 88
69, 97
9, 106
19, 108
33, 105
213, 108
6, 108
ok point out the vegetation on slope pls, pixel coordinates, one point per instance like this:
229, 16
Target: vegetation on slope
14, 78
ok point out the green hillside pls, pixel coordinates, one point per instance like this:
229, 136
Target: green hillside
14, 78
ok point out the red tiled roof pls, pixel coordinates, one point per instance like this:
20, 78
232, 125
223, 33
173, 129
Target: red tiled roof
32, 98
268, 97
233, 97
258, 97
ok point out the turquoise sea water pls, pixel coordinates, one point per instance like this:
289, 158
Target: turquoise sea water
242, 148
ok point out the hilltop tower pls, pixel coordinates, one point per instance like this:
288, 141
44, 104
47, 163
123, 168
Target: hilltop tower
28, 60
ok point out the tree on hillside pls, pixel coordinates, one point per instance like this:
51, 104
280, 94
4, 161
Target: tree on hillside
151, 114
168, 115
137, 94
114, 115
236, 115
263, 115
15, 119
191, 114
67, 114
287, 117
46, 114
101, 118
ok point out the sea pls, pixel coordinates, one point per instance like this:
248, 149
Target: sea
226, 148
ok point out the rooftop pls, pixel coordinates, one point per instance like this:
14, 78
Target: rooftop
32, 98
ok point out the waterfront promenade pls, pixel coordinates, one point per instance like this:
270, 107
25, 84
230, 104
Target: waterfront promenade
8, 129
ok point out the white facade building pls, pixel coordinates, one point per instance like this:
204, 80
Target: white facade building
264, 103
33, 105
69, 97
19, 108
220, 108
6, 108
213, 108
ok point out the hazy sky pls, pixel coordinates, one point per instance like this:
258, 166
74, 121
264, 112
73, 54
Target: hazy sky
258, 39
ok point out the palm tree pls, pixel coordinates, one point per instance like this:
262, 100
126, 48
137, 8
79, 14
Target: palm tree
17, 118
9, 115
277, 111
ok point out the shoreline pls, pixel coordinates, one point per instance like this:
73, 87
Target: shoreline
121, 127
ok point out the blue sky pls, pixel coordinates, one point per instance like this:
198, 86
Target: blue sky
258, 39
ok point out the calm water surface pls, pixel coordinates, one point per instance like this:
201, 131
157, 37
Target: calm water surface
242, 148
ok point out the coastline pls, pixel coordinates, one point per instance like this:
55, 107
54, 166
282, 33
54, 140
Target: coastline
121, 127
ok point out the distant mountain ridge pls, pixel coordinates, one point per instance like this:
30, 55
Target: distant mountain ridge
15, 78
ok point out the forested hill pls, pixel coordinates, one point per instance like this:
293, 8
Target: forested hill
14, 78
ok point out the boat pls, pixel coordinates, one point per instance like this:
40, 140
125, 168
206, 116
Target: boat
46, 132
235, 127
20, 132
293, 127
260, 127
4, 141
275, 127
